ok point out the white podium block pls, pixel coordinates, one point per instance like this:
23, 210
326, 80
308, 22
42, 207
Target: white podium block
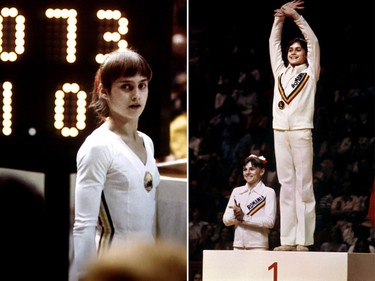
224, 265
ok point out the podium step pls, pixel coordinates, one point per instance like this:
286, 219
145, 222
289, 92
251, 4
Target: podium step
224, 265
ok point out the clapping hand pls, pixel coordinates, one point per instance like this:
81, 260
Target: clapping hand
238, 211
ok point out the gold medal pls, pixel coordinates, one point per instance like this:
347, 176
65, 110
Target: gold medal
281, 104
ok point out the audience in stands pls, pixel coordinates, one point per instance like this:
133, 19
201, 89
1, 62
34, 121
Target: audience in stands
230, 100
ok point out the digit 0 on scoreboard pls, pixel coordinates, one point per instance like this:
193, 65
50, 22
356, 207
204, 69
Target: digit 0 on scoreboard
61, 38
77, 118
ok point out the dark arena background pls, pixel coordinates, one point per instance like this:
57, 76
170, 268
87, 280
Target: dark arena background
229, 60
35, 70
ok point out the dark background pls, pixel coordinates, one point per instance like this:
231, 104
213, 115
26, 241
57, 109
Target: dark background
38, 73
345, 31
226, 37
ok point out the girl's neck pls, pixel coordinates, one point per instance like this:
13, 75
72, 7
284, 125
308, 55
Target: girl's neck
128, 130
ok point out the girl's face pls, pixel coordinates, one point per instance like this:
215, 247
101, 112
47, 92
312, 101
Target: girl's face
128, 97
296, 54
251, 174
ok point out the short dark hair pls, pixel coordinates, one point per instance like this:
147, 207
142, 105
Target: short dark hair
119, 63
301, 41
255, 162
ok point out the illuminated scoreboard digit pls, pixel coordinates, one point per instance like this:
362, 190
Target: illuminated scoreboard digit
70, 33
70, 98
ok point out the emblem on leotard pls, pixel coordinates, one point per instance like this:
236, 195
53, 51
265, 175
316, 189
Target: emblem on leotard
148, 181
281, 104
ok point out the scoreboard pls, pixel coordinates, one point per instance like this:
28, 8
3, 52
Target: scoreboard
49, 52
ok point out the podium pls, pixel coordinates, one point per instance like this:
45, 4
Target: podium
226, 265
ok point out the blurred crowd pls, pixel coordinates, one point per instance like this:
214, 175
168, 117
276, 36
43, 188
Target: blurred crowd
230, 100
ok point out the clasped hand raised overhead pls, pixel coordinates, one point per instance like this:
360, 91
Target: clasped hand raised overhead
289, 9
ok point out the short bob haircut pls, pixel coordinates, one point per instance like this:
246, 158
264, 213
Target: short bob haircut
124, 63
